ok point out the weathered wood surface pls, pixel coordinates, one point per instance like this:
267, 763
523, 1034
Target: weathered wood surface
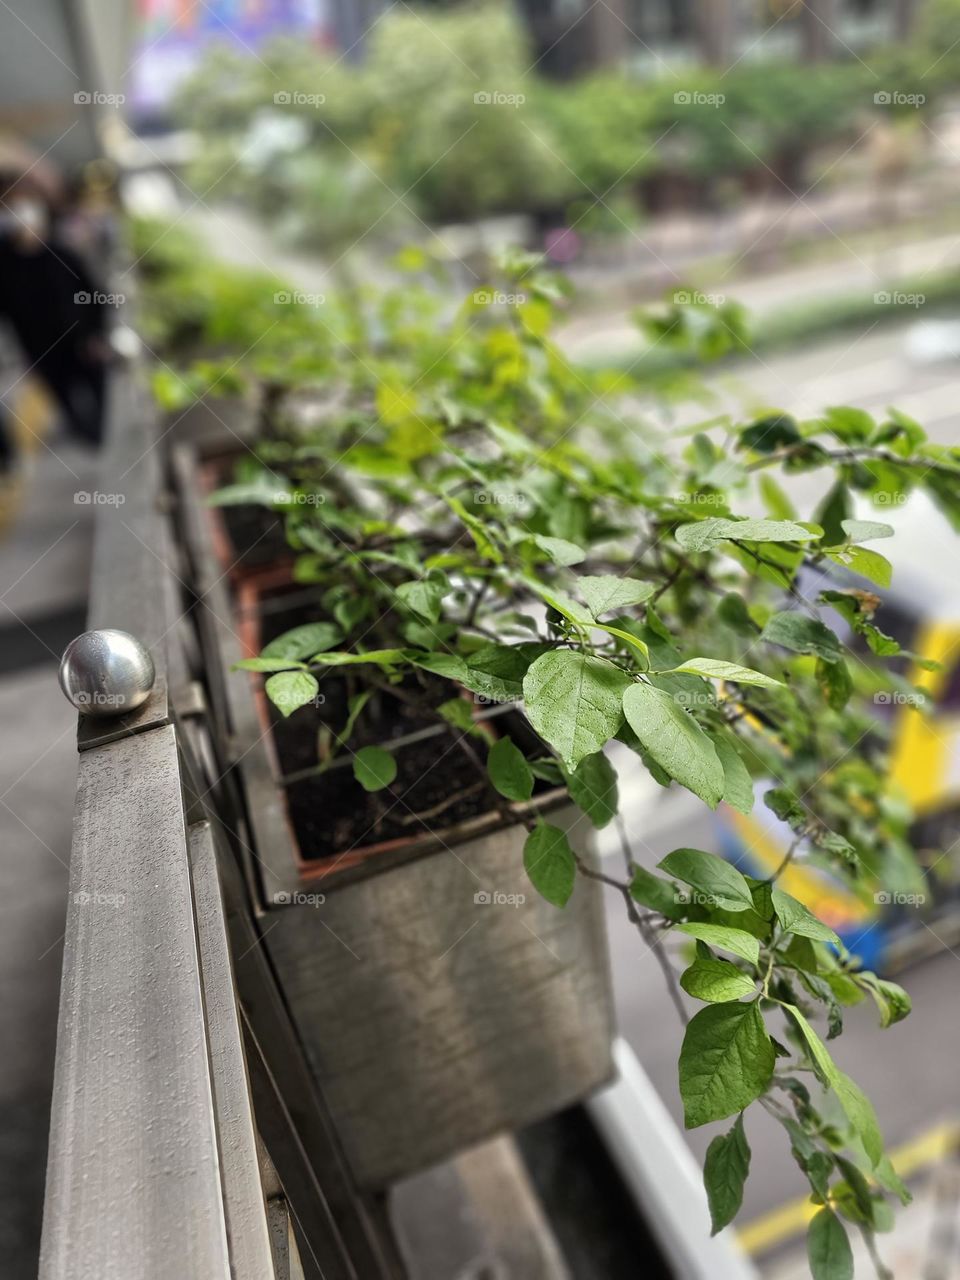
454, 1017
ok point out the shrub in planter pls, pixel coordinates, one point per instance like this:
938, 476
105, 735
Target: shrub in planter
481, 526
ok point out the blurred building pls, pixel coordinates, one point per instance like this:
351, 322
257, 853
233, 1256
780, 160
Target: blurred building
64, 75
172, 36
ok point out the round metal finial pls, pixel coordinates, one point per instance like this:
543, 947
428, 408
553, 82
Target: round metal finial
106, 673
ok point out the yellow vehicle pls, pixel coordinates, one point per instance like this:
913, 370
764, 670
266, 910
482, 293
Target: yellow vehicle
922, 611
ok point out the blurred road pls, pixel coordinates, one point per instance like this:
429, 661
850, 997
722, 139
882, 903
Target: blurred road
872, 370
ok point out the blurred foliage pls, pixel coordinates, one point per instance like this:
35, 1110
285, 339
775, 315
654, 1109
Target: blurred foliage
332, 151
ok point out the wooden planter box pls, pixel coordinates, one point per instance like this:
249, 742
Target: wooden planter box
438, 997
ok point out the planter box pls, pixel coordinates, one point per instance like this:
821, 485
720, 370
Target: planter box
434, 1012
439, 999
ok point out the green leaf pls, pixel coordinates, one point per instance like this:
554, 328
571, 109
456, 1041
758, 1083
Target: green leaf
716, 981
496, 671
856, 1105
893, 1003
717, 670
374, 768
737, 783
832, 511
593, 786
425, 596
726, 1062
725, 1170
605, 591
868, 564
768, 434
459, 713
828, 1249
866, 530
888, 1178
674, 740
355, 707
733, 612
449, 665
266, 664
802, 634
573, 612
574, 702
835, 682
381, 657
549, 862
303, 642
659, 895
703, 534
796, 918
262, 492
713, 877
509, 771
776, 501
477, 529
290, 690
847, 423
738, 941
560, 550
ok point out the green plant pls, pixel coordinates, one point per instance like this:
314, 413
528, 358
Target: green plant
477, 511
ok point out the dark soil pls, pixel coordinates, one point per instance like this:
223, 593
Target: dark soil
255, 534
331, 813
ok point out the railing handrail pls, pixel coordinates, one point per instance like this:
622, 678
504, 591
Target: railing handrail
153, 1167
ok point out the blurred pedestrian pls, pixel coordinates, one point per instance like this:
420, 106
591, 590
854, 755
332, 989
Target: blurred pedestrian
56, 310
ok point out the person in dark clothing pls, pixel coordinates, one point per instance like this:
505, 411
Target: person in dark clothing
57, 313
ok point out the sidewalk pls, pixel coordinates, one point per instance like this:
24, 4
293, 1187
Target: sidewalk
45, 541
